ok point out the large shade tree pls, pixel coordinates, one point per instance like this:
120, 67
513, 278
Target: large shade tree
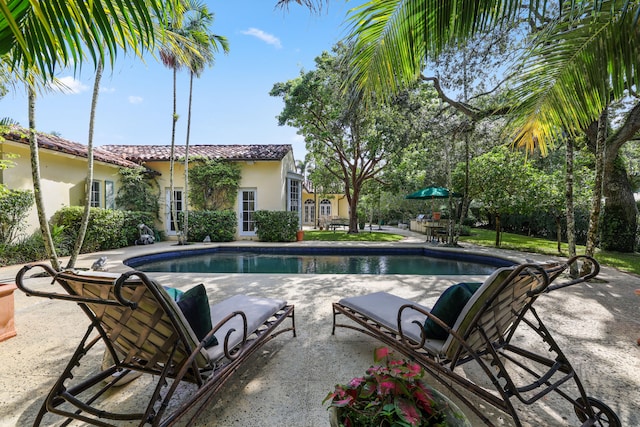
348, 140
583, 57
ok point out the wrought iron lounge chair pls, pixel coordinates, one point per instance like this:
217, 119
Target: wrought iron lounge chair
136, 318
489, 333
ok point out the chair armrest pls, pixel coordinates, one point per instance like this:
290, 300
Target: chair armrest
585, 275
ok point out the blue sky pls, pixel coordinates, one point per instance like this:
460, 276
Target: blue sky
231, 100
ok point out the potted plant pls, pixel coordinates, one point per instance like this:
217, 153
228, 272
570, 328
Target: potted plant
392, 393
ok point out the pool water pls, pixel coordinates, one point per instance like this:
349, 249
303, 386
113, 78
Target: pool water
354, 261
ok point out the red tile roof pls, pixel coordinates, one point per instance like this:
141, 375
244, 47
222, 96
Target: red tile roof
142, 153
55, 143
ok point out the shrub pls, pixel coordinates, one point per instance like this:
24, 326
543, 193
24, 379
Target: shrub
213, 184
138, 192
220, 226
14, 208
107, 229
276, 226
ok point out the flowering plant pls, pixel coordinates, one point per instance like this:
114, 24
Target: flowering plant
390, 394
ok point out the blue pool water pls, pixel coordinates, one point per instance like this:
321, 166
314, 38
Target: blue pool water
317, 260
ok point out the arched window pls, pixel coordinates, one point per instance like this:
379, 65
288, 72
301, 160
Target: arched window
325, 207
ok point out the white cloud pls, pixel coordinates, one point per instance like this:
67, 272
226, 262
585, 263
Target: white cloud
69, 85
107, 89
135, 99
265, 37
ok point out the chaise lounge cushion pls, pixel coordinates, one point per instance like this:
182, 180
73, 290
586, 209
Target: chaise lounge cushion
256, 309
448, 308
194, 305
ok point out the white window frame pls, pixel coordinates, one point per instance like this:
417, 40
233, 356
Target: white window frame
245, 213
96, 194
179, 201
325, 208
294, 199
109, 195
309, 212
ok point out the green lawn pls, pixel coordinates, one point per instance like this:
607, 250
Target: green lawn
629, 263
623, 261
343, 236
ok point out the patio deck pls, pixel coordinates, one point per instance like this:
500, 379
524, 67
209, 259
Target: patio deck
596, 324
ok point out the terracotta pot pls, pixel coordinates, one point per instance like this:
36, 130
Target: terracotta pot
7, 324
436, 216
300, 235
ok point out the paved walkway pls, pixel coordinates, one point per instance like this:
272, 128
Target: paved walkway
596, 324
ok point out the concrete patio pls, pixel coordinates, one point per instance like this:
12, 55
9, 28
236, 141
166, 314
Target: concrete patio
596, 324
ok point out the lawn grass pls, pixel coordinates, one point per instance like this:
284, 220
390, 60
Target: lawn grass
343, 236
627, 262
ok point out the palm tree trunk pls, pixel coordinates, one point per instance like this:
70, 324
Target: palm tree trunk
87, 199
570, 213
185, 199
596, 201
172, 204
37, 188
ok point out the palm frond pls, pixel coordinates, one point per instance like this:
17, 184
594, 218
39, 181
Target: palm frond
57, 33
394, 38
577, 67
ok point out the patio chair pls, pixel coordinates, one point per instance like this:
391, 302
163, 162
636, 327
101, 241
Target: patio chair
496, 330
146, 331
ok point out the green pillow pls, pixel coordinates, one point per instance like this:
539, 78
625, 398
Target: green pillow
448, 308
194, 305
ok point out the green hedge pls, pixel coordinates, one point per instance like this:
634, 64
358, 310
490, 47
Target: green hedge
220, 226
276, 226
107, 229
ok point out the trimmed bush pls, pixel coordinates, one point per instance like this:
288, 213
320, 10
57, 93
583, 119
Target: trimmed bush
220, 226
107, 229
276, 226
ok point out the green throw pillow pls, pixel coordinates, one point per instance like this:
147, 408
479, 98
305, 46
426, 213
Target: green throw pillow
448, 307
194, 305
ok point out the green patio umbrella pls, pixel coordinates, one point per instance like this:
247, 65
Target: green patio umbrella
432, 193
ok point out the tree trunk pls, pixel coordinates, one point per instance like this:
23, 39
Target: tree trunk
172, 204
594, 217
37, 187
570, 213
619, 219
185, 196
89, 181
498, 230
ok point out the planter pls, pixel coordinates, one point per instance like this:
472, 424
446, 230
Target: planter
300, 235
7, 324
436, 216
454, 416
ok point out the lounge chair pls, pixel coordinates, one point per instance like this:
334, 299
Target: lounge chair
497, 330
146, 331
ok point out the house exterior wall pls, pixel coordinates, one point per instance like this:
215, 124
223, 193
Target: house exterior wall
62, 178
266, 178
338, 202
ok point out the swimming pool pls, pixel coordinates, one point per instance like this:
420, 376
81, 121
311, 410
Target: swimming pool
318, 260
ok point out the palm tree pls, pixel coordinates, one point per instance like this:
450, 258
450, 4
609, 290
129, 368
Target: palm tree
48, 35
84, 223
35, 173
196, 29
393, 39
